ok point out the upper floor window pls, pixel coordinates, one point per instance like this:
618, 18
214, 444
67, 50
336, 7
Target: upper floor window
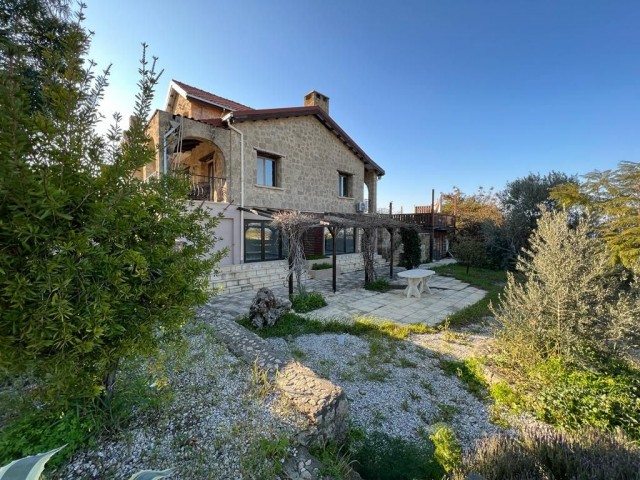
344, 185
267, 171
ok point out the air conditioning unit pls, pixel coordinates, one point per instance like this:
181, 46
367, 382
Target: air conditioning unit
361, 207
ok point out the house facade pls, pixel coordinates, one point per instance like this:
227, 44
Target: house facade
244, 164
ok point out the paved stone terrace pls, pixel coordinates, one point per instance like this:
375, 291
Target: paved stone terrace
448, 296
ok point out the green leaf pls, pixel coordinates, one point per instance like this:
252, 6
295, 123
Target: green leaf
151, 474
28, 468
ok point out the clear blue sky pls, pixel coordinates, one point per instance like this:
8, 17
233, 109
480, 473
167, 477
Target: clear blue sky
439, 93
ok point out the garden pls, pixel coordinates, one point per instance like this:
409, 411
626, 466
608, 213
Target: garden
110, 358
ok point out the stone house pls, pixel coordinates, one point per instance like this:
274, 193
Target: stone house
246, 163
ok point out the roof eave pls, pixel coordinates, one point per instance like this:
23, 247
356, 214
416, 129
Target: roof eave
327, 121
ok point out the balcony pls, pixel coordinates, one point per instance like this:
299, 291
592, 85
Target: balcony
439, 221
213, 189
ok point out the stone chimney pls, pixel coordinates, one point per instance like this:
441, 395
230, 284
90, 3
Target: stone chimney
317, 99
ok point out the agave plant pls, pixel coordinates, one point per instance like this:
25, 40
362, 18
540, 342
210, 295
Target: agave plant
30, 468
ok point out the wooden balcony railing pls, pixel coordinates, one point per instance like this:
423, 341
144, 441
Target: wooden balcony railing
213, 189
440, 220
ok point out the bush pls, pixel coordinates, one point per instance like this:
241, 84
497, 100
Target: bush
382, 457
322, 266
380, 285
304, 301
573, 398
564, 329
572, 309
411, 255
91, 272
448, 452
542, 453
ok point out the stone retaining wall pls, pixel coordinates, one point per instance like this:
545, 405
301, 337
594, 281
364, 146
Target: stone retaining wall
324, 404
253, 276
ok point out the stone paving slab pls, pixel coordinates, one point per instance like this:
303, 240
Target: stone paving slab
448, 296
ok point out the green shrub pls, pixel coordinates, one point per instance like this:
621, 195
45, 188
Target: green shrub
304, 301
573, 398
90, 269
322, 266
411, 248
506, 396
448, 452
382, 457
379, 285
542, 453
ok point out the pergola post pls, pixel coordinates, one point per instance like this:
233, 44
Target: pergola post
332, 231
391, 231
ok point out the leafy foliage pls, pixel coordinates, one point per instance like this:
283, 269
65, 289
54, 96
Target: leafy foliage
305, 301
572, 311
573, 398
382, 457
469, 250
411, 248
91, 272
448, 452
523, 201
379, 285
565, 329
611, 197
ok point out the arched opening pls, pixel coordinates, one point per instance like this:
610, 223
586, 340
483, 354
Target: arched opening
203, 162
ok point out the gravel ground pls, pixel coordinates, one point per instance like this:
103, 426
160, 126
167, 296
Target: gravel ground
394, 387
211, 427
212, 424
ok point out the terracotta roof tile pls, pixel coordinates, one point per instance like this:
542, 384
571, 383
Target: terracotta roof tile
198, 94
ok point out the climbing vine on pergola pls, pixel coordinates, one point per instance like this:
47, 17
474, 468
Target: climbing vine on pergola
295, 224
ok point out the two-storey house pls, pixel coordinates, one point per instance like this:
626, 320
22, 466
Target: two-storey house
247, 163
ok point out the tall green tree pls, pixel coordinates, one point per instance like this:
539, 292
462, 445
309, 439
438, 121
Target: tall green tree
523, 200
612, 198
90, 271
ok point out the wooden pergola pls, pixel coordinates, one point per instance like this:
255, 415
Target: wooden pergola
334, 222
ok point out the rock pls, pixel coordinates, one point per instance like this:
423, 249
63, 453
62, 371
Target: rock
266, 309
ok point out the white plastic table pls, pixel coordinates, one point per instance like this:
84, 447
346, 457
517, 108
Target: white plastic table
417, 281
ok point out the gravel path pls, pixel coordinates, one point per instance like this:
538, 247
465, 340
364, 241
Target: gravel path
211, 427
394, 387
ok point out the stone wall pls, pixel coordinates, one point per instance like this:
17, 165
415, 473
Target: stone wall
310, 158
252, 276
324, 404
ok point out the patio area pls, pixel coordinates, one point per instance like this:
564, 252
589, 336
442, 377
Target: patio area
351, 299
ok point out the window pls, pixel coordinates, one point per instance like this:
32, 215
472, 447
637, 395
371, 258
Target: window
266, 168
263, 242
345, 241
344, 184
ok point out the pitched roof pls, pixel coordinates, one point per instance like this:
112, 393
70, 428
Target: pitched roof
320, 114
194, 93
242, 113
